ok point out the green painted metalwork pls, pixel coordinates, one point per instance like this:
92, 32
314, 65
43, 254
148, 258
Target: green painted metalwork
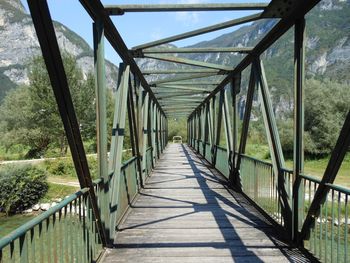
178, 71
298, 149
101, 118
121, 9
222, 162
190, 62
329, 238
128, 187
117, 144
50, 235
320, 208
231, 23
197, 50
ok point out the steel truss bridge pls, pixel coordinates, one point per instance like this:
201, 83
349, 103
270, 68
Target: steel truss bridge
186, 203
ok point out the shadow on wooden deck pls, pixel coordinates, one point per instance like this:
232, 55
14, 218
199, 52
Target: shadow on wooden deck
186, 213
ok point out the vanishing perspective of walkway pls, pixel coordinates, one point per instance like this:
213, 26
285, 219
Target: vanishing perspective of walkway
204, 201
186, 213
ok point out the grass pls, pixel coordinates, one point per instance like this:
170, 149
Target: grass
317, 167
8, 224
58, 191
314, 167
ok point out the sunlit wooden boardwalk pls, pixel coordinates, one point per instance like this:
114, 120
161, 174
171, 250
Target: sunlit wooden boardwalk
187, 214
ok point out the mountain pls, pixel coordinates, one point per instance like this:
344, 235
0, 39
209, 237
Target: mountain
21, 45
327, 50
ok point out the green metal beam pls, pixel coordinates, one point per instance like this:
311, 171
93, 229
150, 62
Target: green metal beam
227, 125
178, 78
197, 50
201, 31
175, 100
298, 150
174, 87
97, 12
275, 146
178, 71
145, 135
117, 142
288, 19
121, 9
53, 60
337, 156
222, 69
235, 174
101, 121
197, 83
179, 95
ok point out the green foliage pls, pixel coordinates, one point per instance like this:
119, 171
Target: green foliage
177, 126
58, 191
29, 115
5, 85
64, 167
326, 106
21, 187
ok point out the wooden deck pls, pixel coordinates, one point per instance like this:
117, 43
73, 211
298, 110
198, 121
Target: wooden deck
186, 214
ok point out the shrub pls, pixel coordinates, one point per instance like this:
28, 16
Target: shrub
64, 167
61, 167
21, 187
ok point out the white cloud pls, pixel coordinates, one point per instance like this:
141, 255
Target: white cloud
188, 18
156, 34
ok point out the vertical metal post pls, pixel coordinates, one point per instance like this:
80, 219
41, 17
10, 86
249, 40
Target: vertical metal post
218, 123
145, 131
212, 125
48, 42
275, 147
228, 128
153, 131
235, 175
134, 137
235, 89
101, 120
299, 64
118, 134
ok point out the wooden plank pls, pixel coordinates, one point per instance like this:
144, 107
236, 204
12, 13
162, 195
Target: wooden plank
186, 214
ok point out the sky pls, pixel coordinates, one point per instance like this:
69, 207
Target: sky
139, 28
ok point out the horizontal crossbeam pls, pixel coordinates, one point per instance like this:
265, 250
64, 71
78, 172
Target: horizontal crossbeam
122, 9
174, 87
197, 50
179, 71
275, 33
184, 77
190, 62
201, 31
97, 12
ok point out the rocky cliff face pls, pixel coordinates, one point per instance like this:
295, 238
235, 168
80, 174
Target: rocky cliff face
19, 44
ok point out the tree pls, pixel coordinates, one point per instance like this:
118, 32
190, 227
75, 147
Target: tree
326, 106
30, 115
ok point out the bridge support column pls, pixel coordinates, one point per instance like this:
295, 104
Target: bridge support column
235, 174
101, 121
275, 146
118, 133
298, 168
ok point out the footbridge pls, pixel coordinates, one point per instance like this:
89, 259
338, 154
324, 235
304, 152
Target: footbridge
197, 201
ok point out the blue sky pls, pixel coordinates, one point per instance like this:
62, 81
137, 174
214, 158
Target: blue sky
138, 28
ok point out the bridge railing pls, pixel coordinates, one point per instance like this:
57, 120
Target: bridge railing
66, 232
329, 237
149, 164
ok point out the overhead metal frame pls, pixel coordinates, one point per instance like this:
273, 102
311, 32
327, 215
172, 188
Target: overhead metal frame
147, 104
